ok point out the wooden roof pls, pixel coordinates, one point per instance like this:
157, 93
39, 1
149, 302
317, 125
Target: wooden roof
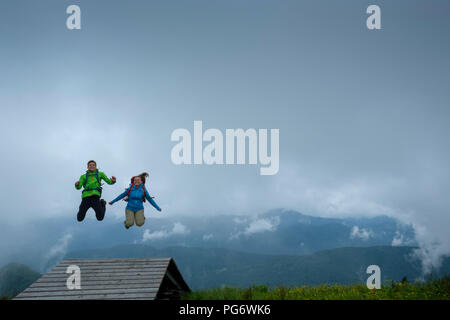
141, 278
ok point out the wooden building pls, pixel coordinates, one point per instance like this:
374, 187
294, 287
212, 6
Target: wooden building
123, 279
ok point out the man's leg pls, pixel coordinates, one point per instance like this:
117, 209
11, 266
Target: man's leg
84, 206
99, 207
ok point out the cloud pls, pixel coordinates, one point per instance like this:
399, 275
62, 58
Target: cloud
430, 257
262, 225
178, 229
397, 240
341, 154
207, 236
432, 248
258, 226
400, 240
58, 250
362, 233
239, 220
412, 193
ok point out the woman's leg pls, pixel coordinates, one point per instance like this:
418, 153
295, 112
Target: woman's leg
129, 218
140, 218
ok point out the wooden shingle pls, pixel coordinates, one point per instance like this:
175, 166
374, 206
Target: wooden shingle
139, 278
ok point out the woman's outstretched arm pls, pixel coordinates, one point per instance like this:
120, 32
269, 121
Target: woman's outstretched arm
120, 196
152, 202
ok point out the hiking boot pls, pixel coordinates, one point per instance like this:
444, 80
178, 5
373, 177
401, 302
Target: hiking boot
126, 227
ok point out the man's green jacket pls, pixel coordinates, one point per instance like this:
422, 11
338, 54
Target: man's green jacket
92, 183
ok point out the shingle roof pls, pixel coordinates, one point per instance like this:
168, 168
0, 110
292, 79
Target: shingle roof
141, 278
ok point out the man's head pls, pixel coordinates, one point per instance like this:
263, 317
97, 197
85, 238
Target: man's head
92, 165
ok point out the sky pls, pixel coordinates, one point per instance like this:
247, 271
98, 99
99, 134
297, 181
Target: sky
363, 115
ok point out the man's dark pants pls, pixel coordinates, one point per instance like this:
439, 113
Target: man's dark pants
94, 203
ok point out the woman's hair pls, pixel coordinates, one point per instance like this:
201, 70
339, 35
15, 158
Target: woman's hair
143, 175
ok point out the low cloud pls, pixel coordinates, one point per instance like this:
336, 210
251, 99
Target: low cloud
178, 229
432, 249
398, 240
207, 236
262, 225
58, 250
258, 226
430, 257
363, 234
238, 220
412, 193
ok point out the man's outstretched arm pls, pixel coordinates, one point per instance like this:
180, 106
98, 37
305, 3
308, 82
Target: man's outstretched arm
106, 179
80, 182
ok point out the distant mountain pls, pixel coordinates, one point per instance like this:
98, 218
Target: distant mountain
290, 232
277, 231
211, 267
14, 278
274, 232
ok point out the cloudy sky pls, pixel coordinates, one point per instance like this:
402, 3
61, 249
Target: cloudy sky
363, 115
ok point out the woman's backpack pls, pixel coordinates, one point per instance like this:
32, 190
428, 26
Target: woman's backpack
131, 187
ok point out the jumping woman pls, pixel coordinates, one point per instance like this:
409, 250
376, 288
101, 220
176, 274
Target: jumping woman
136, 195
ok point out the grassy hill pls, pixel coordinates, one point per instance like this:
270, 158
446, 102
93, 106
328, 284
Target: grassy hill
438, 289
14, 278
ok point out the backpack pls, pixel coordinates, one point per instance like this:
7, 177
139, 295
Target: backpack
99, 189
131, 187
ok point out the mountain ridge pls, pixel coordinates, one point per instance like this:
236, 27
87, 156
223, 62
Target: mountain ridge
272, 232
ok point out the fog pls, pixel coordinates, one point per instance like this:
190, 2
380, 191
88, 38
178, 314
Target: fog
362, 115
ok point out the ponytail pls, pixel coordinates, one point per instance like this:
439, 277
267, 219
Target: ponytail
143, 175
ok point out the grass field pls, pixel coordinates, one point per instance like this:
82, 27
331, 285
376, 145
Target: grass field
438, 289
